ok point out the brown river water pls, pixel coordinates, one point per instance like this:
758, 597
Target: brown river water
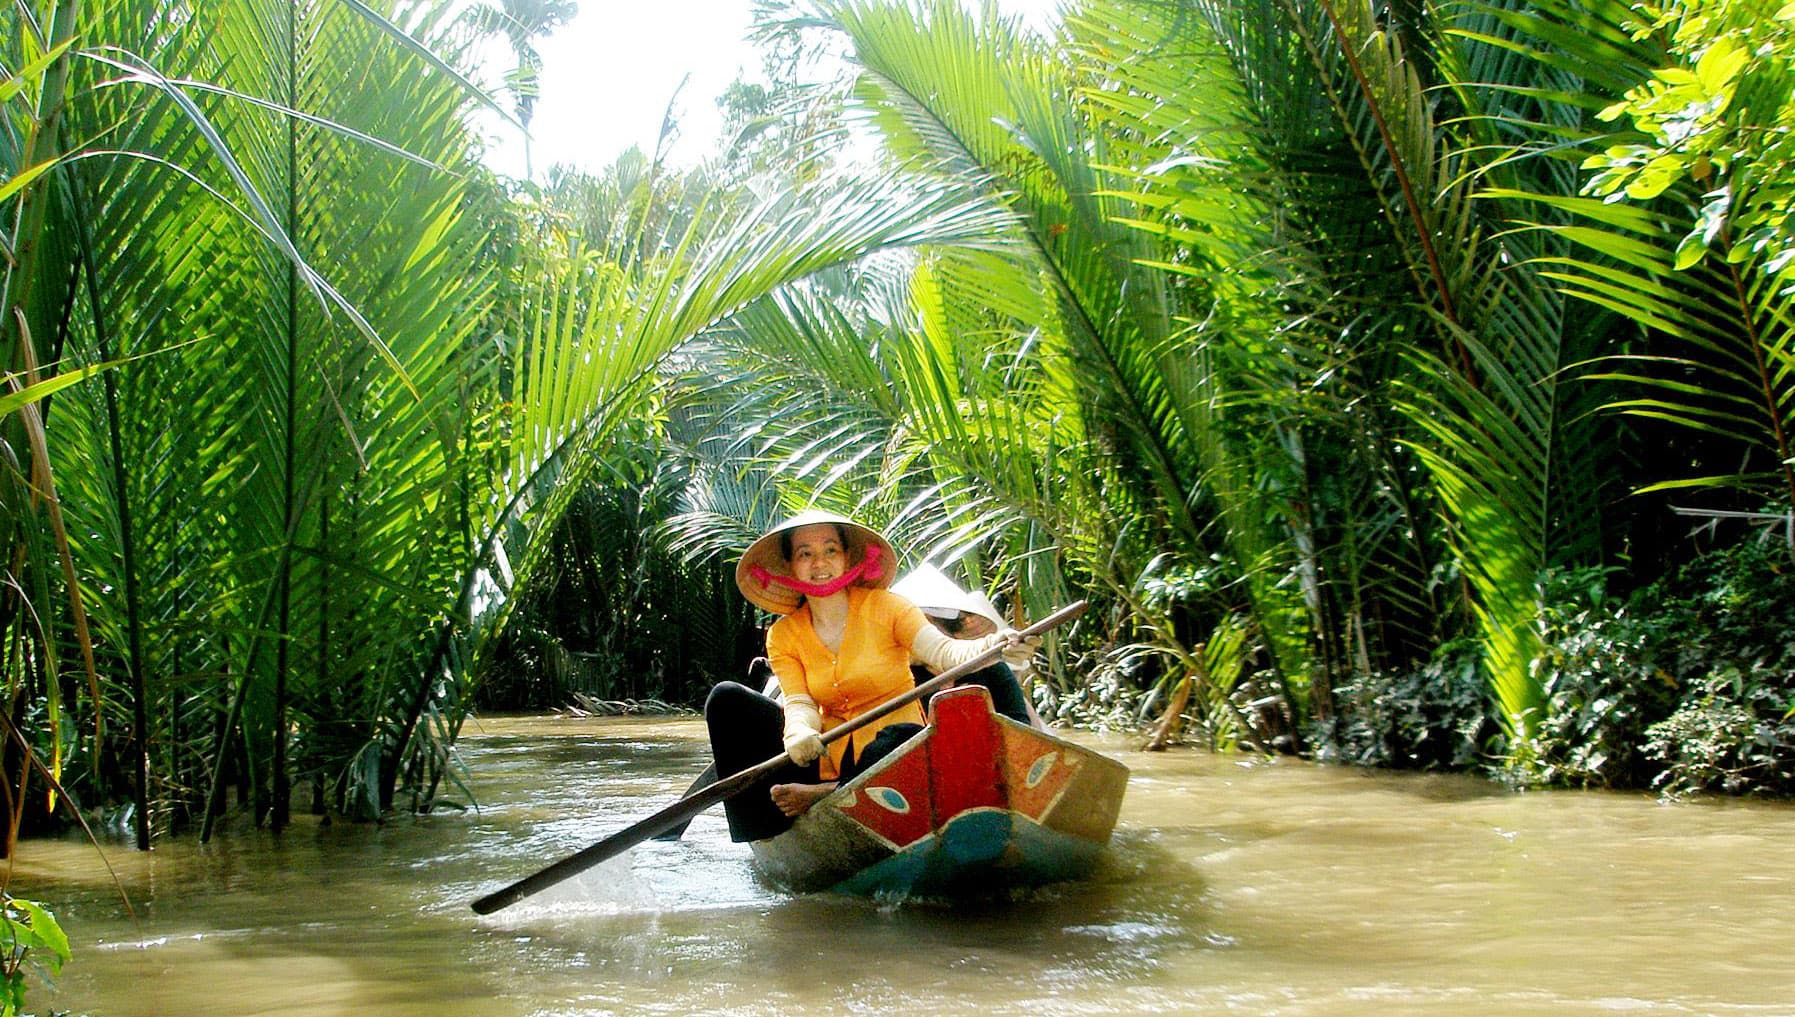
1233, 886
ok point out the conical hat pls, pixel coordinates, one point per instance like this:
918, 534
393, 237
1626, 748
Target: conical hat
930, 589
766, 553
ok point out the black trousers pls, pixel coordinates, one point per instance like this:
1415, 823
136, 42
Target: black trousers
1007, 697
747, 729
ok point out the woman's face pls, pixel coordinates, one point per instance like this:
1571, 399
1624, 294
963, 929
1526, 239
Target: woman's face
817, 553
974, 626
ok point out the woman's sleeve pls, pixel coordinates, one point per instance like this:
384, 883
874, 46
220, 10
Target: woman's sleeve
939, 652
782, 657
907, 620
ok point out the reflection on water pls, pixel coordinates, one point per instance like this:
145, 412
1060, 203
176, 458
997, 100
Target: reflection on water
1232, 887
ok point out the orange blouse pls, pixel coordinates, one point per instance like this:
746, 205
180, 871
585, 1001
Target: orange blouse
873, 666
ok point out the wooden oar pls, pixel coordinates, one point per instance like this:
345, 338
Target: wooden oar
734, 784
769, 687
678, 830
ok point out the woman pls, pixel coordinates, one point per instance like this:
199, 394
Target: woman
842, 648
969, 615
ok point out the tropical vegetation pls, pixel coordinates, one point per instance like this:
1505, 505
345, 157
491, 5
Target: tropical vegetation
32, 938
1366, 365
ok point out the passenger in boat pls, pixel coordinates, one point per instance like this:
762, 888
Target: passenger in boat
965, 614
842, 648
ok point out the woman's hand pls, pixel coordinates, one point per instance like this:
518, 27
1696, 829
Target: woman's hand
803, 729
805, 747
1019, 650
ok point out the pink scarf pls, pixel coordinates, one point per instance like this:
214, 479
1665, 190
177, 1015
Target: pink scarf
869, 568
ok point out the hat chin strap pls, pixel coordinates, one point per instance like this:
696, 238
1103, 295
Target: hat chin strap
869, 568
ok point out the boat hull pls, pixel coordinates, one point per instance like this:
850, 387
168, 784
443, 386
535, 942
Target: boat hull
975, 805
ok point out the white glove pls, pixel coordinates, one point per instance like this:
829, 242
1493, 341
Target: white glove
803, 729
938, 652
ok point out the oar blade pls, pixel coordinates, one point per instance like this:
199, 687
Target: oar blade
626, 838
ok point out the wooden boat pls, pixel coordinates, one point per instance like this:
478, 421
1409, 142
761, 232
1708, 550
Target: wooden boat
974, 805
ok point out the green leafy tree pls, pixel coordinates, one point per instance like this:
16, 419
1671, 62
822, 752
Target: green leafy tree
29, 936
1700, 183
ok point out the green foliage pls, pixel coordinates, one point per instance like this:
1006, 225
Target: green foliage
519, 23
1605, 685
1686, 685
1721, 117
616, 615
31, 937
1689, 236
1733, 733
1110, 690
1435, 717
1734, 659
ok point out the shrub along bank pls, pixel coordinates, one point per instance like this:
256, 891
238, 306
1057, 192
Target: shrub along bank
1684, 685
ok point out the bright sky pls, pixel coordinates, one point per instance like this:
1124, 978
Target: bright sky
609, 74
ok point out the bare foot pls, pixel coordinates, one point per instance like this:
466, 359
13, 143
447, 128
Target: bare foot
796, 799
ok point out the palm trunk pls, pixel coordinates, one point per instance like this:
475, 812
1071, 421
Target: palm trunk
332, 703
279, 788
19, 357
214, 804
140, 725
